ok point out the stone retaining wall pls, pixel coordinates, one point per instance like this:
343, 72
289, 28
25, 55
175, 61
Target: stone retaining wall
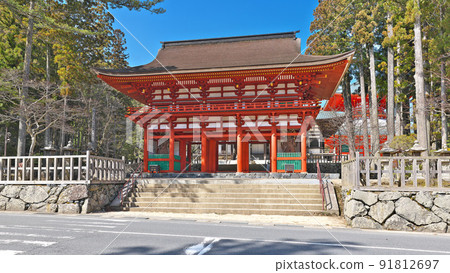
406, 211
57, 198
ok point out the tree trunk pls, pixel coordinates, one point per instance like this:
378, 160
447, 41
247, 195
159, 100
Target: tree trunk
374, 130
444, 132
47, 136
346, 92
412, 117
390, 84
33, 144
94, 129
26, 78
398, 106
365, 128
427, 85
443, 107
420, 84
63, 126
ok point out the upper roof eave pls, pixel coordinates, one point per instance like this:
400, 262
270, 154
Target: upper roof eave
322, 60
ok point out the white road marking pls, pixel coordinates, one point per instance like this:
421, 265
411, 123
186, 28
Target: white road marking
202, 248
69, 217
48, 228
41, 243
280, 242
96, 226
34, 235
85, 222
9, 252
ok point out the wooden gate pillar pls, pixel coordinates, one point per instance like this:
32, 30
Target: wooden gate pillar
303, 152
182, 155
172, 148
145, 159
273, 149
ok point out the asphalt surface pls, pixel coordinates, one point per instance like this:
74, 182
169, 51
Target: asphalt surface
32, 234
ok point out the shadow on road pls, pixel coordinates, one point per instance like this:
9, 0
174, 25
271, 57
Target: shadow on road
232, 247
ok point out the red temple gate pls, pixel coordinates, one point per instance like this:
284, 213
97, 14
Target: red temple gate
236, 89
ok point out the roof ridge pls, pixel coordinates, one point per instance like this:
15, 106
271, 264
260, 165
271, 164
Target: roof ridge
291, 34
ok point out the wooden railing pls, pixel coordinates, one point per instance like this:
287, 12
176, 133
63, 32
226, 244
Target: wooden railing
67, 169
397, 173
307, 104
326, 158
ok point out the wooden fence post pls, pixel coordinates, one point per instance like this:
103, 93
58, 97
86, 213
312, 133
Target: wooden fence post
88, 166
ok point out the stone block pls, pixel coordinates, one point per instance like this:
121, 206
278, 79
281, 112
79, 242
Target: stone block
368, 198
437, 227
443, 201
389, 196
381, 211
441, 213
38, 207
354, 208
33, 194
396, 222
11, 191
413, 212
3, 201
56, 190
365, 223
85, 207
51, 207
425, 199
68, 208
15, 205
73, 193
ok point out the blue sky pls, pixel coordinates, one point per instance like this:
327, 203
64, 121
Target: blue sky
198, 19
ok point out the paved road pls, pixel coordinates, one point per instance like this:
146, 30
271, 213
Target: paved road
23, 233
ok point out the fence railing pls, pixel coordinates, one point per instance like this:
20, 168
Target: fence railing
61, 169
400, 173
326, 158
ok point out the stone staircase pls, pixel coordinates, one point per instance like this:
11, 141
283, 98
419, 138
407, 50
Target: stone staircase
227, 197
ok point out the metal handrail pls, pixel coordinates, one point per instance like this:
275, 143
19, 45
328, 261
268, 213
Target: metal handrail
322, 189
128, 186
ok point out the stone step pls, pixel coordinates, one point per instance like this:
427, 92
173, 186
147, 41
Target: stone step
286, 200
227, 198
252, 206
227, 186
229, 190
315, 195
241, 211
232, 183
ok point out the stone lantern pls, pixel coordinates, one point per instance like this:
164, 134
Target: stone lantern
445, 154
69, 149
49, 150
387, 152
416, 150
